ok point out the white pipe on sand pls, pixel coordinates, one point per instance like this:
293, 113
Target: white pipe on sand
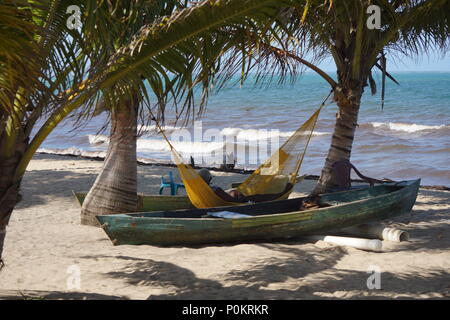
377, 231
358, 243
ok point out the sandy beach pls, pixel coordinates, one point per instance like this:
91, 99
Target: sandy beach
46, 244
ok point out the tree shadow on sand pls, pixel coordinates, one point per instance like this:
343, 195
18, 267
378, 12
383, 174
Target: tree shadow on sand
429, 227
301, 263
301, 274
38, 185
54, 295
184, 284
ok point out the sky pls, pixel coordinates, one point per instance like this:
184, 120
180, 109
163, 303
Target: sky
435, 62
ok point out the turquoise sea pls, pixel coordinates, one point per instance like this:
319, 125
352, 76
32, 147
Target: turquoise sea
409, 138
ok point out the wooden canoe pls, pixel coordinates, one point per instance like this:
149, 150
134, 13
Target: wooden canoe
268, 220
152, 202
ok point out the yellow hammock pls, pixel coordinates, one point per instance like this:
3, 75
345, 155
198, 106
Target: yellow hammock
271, 177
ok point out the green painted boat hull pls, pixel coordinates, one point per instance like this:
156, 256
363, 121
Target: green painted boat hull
152, 202
269, 220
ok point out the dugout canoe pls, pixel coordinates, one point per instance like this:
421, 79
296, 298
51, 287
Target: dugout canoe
151, 202
266, 221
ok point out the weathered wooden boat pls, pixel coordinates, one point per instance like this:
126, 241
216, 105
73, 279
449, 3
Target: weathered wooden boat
268, 220
152, 202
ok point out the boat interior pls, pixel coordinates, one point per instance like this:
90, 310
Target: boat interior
280, 206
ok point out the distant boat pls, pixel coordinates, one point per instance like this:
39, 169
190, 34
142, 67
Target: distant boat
152, 202
261, 221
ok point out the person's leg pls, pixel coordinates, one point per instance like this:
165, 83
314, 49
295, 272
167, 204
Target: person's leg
236, 194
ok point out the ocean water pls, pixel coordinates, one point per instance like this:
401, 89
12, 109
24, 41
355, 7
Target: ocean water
409, 138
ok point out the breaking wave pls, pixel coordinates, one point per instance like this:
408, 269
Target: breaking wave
406, 127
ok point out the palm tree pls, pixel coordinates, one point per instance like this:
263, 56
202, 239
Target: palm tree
339, 29
170, 76
108, 30
40, 68
47, 71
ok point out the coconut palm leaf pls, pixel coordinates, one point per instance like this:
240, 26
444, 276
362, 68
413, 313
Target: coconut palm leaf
157, 43
338, 29
37, 64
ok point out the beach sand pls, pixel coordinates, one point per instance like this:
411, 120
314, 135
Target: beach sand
46, 247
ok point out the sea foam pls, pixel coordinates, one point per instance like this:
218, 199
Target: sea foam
405, 127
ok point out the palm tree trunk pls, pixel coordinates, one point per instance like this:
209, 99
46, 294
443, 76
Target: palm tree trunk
348, 101
115, 189
9, 195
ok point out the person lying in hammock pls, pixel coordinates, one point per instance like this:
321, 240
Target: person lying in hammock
234, 195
